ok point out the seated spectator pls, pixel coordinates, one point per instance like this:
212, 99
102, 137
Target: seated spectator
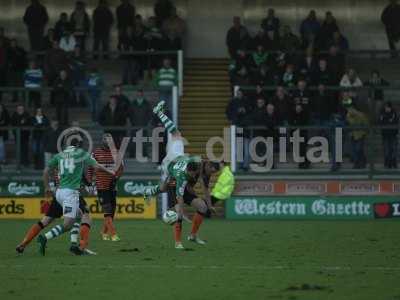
68, 42
238, 108
237, 37
302, 96
259, 93
122, 100
63, 90
357, 118
113, 116
300, 117
259, 39
80, 24
272, 121
50, 139
350, 79
33, 79
322, 75
165, 79
40, 123
78, 66
95, 84
309, 29
4, 122
283, 104
271, 22
258, 58
340, 41
174, 27
323, 106
377, 94
336, 62
289, 41
389, 117
140, 116
62, 26
21, 118
308, 65
49, 39
263, 76
16, 66
289, 78
328, 28
241, 76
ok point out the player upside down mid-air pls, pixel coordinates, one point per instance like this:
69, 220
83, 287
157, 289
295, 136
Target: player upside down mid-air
70, 164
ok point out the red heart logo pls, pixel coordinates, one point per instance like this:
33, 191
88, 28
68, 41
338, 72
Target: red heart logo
382, 209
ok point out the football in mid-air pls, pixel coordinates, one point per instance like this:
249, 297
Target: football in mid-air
170, 217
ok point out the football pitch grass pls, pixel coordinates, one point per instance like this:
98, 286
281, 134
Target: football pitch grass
242, 260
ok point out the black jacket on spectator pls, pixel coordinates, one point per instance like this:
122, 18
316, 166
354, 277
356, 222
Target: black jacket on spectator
337, 67
125, 16
326, 34
162, 10
140, 114
389, 119
50, 139
4, 122
17, 59
300, 119
322, 77
283, 107
272, 121
102, 20
237, 110
308, 67
390, 18
18, 120
86, 23
323, 105
236, 39
39, 128
36, 16
55, 60
60, 28
109, 117
303, 98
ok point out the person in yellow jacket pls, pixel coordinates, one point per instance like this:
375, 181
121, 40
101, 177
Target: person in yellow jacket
224, 185
357, 118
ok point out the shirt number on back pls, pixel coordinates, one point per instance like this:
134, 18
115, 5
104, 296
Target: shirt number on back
68, 165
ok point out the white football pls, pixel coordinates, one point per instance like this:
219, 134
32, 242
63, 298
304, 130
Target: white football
170, 217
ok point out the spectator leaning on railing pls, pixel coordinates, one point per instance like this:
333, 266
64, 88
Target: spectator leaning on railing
4, 122
389, 117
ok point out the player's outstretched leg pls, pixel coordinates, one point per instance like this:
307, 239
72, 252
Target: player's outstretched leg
29, 236
167, 122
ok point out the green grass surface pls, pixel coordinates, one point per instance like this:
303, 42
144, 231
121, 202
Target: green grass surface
243, 260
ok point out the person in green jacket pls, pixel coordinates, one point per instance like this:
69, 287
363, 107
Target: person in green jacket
224, 186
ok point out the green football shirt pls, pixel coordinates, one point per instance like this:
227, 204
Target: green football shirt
177, 170
70, 164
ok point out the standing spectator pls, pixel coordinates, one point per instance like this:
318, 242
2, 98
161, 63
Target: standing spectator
273, 42
271, 22
78, 67
132, 66
140, 115
16, 65
390, 18
328, 28
62, 97
21, 118
122, 99
350, 79
95, 86
308, 65
165, 79
3, 66
102, 21
237, 109
113, 116
50, 139
33, 79
340, 41
162, 11
337, 64
289, 41
376, 95
40, 124
62, 26
174, 26
35, 19
357, 118
4, 122
309, 29
125, 13
322, 74
155, 41
300, 117
237, 37
80, 23
389, 117
282, 104
68, 42
49, 39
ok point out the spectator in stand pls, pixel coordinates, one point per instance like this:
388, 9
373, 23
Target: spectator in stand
140, 115
272, 121
300, 117
4, 122
155, 41
259, 39
163, 9
113, 116
309, 29
33, 79
3, 66
63, 90
40, 124
289, 78
55, 60
174, 27
238, 108
125, 14
273, 41
49, 39
322, 75
237, 37
240, 76
259, 93
302, 96
165, 79
122, 100
340, 41
68, 42
62, 26
389, 117
390, 18
282, 104
357, 118
350, 79
259, 57
139, 43
377, 94
290, 42
16, 66
263, 77
78, 67
103, 20
328, 28
308, 65
35, 19
337, 64
271, 22
95, 84
50, 139
80, 24
323, 105
21, 118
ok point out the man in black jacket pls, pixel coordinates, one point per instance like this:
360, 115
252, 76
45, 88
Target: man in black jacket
390, 18
389, 117
125, 13
237, 37
35, 19
102, 22
300, 117
16, 64
63, 90
21, 119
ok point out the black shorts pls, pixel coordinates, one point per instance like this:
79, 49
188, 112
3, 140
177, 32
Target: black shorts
108, 201
55, 210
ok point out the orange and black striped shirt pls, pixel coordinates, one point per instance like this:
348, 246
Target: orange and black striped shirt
105, 181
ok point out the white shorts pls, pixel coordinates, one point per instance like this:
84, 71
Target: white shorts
69, 200
175, 148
